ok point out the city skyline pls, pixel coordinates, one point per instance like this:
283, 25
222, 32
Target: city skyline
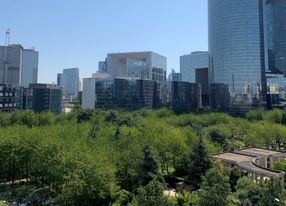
79, 35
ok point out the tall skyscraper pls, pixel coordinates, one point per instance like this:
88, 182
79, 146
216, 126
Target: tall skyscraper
247, 46
236, 49
69, 81
190, 62
137, 65
18, 66
275, 32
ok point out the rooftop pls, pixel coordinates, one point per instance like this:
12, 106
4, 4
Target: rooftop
259, 152
245, 160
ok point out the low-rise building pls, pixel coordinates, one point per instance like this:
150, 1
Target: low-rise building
127, 93
45, 97
8, 100
186, 96
257, 163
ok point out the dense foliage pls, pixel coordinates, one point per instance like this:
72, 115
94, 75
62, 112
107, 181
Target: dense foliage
129, 158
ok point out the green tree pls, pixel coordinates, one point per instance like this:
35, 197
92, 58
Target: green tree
248, 192
214, 189
152, 194
84, 115
93, 132
217, 136
255, 115
234, 176
148, 169
199, 163
274, 193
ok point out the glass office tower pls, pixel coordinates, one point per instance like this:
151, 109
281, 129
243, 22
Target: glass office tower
236, 49
275, 21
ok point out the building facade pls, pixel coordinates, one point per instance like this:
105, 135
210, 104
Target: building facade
137, 65
247, 46
220, 97
29, 70
128, 94
88, 93
18, 66
69, 81
60, 79
186, 96
190, 62
275, 38
174, 76
8, 100
202, 78
45, 97
236, 49
102, 66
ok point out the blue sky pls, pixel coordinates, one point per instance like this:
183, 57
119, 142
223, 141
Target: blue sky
79, 33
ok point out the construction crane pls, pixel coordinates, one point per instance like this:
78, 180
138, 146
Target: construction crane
7, 42
7, 37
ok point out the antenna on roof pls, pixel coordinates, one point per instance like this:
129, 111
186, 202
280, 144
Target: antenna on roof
7, 39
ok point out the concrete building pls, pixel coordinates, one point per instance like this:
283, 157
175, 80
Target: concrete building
190, 62
186, 96
137, 65
257, 163
100, 75
45, 97
18, 66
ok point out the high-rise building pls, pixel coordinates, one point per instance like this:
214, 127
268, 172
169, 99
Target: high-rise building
247, 46
137, 65
236, 49
60, 79
190, 62
69, 81
46, 97
29, 70
275, 30
102, 66
174, 76
18, 66
88, 93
